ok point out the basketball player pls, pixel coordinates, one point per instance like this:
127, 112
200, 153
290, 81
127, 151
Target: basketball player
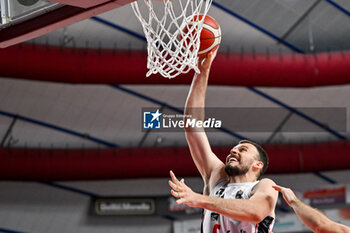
234, 201
312, 218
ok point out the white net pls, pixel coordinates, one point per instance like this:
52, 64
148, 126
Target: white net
172, 29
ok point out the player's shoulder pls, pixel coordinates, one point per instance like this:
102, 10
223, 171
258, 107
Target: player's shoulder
266, 181
264, 184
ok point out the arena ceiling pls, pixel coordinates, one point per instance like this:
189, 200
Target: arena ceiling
60, 115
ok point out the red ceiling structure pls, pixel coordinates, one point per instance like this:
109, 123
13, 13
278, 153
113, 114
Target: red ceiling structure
120, 163
94, 66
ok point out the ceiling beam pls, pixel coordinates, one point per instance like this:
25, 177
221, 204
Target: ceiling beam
299, 113
339, 7
68, 131
299, 20
259, 28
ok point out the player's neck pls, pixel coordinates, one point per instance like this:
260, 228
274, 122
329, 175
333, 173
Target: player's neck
242, 178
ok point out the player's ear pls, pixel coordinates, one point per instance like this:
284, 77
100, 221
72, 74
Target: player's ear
259, 164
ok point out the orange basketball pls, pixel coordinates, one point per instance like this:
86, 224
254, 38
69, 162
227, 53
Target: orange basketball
210, 36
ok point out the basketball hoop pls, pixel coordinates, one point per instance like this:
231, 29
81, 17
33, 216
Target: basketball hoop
171, 51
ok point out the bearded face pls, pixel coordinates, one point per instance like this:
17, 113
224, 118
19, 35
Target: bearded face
235, 170
240, 160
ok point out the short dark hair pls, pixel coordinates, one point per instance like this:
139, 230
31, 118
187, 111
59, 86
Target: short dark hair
262, 155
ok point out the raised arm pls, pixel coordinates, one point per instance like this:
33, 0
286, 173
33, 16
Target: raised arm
206, 161
312, 218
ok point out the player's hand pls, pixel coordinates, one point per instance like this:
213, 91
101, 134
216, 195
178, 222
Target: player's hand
183, 192
288, 194
204, 63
